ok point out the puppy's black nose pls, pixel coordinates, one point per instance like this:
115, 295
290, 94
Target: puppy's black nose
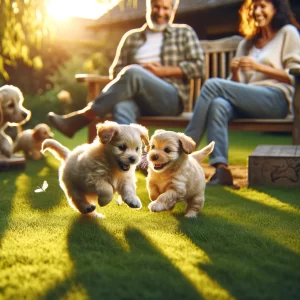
154, 157
24, 115
132, 159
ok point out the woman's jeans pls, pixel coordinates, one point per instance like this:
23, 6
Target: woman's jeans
222, 100
135, 92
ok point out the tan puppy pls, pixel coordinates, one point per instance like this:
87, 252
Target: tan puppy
174, 174
94, 172
30, 141
12, 112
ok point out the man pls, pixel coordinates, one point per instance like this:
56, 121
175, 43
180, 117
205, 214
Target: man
151, 72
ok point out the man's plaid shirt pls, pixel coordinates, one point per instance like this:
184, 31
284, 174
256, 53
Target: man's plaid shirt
180, 47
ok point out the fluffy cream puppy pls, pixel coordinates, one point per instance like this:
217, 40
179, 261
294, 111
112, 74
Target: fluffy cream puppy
30, 141
94, 172
174, 172
12, 112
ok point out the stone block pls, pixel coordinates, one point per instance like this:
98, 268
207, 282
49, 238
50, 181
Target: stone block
274, 166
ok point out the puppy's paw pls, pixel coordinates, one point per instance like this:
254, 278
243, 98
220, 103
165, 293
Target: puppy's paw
95, 214
119, 200
104, 200
191, 214
156, 206
133, 202
90, 208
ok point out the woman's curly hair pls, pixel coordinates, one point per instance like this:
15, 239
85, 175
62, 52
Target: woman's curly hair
282, 17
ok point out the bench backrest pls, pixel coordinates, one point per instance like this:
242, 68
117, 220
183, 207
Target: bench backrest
218, 54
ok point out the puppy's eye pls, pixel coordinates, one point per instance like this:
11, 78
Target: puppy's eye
167, 150
152, 147
11, 105
122, 147
137, 149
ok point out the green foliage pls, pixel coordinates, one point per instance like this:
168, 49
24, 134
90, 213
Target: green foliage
64, 79
96, 64
24, 27
40, 105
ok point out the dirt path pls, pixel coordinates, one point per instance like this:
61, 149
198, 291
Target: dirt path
239, 173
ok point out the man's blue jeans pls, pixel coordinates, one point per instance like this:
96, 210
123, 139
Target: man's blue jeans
135, 92
222, 100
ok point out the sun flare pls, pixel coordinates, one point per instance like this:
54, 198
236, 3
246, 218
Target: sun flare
89, 9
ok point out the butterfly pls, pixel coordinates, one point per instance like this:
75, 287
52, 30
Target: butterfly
43, 188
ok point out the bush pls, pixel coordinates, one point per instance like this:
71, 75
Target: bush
64, 79
40, 105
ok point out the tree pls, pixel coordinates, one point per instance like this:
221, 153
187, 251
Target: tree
24, 25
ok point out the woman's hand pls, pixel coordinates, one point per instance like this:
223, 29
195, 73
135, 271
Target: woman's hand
235, 64
247, 63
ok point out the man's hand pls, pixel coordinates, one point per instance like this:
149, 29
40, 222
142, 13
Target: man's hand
163, 71
155, 68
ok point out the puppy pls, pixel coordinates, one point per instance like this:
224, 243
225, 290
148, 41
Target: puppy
174, 172
30, 141
13, 113
94, 172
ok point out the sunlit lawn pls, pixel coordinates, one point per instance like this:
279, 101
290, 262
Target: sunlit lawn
244, 245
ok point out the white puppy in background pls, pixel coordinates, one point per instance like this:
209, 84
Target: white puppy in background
12, 112
30, 141
94, 172
174, 172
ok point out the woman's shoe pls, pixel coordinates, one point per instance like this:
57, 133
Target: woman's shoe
222, 176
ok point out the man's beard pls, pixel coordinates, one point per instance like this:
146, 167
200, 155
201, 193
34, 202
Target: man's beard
154, 26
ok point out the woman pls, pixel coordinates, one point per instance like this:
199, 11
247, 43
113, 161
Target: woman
259, 86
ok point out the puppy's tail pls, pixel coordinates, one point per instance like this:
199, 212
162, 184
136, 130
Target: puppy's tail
200, 155
58, 150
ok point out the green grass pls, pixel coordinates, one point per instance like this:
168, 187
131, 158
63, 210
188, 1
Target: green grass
244, 245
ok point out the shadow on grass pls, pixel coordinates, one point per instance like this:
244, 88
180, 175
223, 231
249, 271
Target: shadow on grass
7, 193
246, 261
107, 270
285, 195
9, 188
52, 196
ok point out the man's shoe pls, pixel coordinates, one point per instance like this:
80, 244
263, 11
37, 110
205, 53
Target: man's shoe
68, 124
222, 176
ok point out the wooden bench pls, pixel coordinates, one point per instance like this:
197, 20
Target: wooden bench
218, 54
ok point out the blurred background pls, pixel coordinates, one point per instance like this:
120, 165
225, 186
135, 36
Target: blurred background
44, 43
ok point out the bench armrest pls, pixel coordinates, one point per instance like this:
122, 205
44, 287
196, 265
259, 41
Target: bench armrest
95, 83
296, 129
94, 78
295, 71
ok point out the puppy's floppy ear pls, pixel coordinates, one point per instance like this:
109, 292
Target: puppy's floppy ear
37, 134
144, 133
157, 131
107, 130
188, 145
